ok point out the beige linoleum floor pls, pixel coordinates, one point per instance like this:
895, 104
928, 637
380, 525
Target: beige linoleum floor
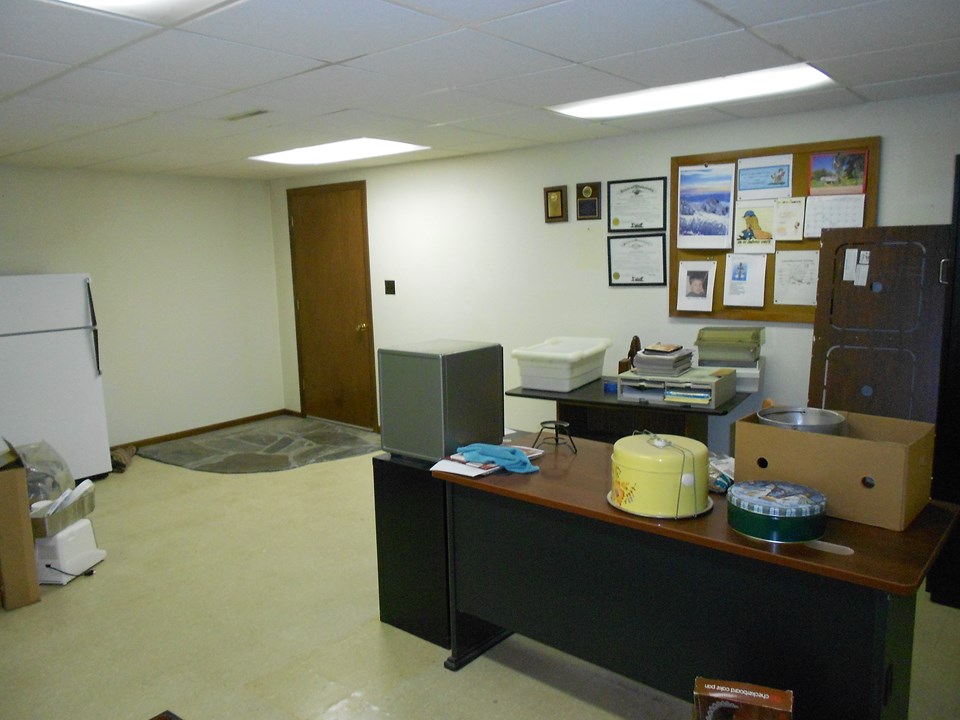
255, 597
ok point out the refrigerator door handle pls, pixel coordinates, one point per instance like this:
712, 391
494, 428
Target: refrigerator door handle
93, 327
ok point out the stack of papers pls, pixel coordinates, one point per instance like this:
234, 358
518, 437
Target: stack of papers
652, 362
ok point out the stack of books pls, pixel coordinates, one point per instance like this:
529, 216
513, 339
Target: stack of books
664, 360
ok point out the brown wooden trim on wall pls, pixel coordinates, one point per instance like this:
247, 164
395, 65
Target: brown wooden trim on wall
209, 428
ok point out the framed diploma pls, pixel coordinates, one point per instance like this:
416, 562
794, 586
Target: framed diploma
637, 205
555, 204
637, 260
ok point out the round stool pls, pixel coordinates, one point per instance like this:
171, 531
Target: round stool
558, 427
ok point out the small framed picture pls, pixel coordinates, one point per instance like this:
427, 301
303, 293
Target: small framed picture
637, 260
555, 204
588, 201
696, 285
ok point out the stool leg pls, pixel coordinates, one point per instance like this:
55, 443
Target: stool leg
536, 440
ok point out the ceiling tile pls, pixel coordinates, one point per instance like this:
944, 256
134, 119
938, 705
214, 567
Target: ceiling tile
808, 102
337, 87
458, 59
28, 122
932, 85
63, 33
177, 56
444, 106
756, 12
117, 90
475, 11
554, 87
726, 54
541, 125
18, 73
865, 27
896, 64
583, 30
97, 90
329, 30
666, 121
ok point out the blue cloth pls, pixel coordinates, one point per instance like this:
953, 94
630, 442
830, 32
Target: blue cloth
509, 458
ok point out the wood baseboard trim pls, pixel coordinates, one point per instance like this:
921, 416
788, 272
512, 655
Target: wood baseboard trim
210, 428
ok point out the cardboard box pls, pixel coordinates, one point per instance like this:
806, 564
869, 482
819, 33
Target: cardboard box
720, 699
44, 527
879, 473
18, 570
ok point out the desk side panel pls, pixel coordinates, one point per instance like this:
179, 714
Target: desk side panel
410, 512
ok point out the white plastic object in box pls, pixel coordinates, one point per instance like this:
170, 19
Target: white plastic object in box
561, 364
71, 552
751, 379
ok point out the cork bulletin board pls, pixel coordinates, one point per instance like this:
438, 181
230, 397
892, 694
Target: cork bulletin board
806, 179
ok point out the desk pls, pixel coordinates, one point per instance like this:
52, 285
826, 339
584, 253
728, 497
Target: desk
662, 601
597, 415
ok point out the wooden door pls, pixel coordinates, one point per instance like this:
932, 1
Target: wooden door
331, 286
879, 321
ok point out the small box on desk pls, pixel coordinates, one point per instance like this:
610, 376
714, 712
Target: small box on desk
724, 700
879, 473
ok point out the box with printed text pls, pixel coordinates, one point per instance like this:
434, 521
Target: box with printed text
727, 700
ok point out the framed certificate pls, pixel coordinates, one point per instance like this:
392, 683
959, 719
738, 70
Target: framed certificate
555, 204
637, 205
637, 260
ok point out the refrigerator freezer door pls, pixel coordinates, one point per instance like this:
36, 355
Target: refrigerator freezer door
40, 303
51, 391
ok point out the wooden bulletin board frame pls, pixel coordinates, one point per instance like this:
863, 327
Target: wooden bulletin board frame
802, 154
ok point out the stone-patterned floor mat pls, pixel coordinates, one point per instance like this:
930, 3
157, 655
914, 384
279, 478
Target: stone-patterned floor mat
277, 443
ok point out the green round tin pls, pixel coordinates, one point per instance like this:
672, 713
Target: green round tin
776, 529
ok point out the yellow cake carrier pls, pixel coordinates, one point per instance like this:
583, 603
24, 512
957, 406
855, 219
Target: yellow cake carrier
661, 476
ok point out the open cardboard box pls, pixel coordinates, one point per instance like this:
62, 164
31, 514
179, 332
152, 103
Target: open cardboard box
18, 570
879, 473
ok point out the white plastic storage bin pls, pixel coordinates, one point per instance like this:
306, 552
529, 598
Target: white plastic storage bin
561, 364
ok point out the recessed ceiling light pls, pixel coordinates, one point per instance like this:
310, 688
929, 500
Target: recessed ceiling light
158, 11
355, 149
729, 88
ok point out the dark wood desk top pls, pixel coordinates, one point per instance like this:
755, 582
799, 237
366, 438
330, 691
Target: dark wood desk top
894, 562
592, 394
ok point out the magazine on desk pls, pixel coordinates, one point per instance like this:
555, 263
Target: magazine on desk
456, 464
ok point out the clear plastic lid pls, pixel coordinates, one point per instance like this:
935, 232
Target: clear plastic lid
777, 499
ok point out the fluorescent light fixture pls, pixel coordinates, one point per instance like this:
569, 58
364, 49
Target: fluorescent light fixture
759, 83
158, 11
355, 149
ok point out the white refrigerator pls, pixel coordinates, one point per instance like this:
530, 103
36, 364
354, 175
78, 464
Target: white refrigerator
50, 383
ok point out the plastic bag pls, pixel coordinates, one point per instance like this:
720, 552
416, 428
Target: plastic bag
47, 474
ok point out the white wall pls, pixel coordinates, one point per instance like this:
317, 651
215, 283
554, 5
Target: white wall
183, 275
466, 243
192, 276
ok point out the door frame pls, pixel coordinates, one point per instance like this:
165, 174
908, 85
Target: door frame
367, 290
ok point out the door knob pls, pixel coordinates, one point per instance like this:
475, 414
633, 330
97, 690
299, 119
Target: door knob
361, 327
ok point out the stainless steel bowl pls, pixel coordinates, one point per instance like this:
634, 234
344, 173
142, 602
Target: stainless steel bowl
804, 419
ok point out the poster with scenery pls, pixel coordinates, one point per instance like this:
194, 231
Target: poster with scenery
838, 173
705, 206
